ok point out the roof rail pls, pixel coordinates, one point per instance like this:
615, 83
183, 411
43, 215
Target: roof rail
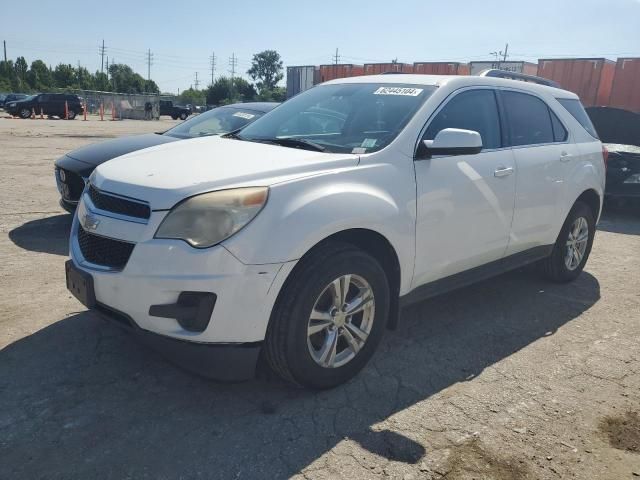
389, 72
494, 72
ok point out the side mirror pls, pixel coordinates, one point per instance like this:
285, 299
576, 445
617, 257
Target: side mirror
451, 141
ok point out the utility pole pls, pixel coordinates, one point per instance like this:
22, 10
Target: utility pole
102, 50
336, 59
149, 62
506, 49
197, 82
233, 62
5, 50
213, 65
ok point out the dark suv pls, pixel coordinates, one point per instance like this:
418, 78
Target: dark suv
50, 104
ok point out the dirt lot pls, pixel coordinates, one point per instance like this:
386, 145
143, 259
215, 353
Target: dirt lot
513, 378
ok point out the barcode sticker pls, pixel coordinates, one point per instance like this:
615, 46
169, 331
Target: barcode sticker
405, 91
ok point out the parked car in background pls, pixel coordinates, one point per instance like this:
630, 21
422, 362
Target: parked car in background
297, 239
49, 104
13, 97
168, 108
619, 130
73, 169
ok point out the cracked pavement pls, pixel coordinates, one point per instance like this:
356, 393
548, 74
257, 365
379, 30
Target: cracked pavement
508, 378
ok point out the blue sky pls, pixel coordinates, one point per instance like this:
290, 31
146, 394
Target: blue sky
182, 35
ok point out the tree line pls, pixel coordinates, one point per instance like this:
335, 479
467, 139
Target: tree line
266, 73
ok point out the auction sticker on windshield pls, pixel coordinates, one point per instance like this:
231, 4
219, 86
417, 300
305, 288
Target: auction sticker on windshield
406, 91
246, 116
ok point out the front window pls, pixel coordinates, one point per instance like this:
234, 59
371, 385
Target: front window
218, 121
353, 118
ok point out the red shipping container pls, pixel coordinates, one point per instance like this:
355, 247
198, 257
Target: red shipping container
590, 78
378, 68
625, 92
441, 68
342, 70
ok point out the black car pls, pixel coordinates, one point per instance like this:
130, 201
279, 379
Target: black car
174, 111
49, 104
619, 130
12, 97
73, 169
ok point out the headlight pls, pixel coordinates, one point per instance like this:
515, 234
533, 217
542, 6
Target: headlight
209, 218
635, 178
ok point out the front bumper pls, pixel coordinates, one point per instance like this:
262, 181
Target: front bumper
222, 362
159, 271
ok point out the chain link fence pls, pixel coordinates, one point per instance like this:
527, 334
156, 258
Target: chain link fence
120, 106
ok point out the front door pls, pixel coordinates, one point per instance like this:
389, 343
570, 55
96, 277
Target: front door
464, 203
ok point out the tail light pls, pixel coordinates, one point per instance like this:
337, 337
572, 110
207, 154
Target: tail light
605, 156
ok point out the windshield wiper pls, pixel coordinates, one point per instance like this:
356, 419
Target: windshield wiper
295, 143
233, 134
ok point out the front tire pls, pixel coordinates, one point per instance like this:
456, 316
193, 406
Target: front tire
25, 113
329, 317
573, 246
71, 115
183, 116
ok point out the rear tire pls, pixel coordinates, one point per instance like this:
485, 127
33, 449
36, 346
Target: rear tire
573, 246
174, 117
71, 115
331, 346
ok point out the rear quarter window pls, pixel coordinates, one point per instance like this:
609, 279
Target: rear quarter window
577, 111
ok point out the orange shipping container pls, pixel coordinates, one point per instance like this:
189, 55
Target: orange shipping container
378, 68
343, 70
441, 68
625, 92
590, 78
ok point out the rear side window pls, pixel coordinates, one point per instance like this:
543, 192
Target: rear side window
575, 108
560, 133
471, 110
528, 119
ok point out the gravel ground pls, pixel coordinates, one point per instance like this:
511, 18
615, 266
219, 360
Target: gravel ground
513, 378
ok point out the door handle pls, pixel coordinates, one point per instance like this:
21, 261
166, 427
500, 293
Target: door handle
565, 157
503, 172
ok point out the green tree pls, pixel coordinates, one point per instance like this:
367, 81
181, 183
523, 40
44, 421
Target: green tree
64, 76
150, 87
84, 79
266, 70
21, 68
192, 96
101, 82
8, 76
39, 76
221, 93
278, 94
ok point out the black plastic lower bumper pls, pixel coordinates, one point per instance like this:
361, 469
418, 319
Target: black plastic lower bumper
222, 362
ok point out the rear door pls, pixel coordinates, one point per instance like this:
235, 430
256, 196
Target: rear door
464, 202
541, 147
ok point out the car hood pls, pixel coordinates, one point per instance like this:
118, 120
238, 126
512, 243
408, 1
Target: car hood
166, 174
98, 153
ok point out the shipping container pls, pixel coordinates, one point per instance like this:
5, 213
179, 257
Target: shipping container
625, 91
527, 68
300, 78
378, 68
590, 78
441, 68
340, 70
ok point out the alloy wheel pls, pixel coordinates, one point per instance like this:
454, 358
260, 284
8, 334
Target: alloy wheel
341, 321
576, 243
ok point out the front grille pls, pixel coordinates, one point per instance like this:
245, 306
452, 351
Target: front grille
104, 251
111, 203
74, 184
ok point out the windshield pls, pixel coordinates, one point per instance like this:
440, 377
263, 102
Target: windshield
218, 121
355, 118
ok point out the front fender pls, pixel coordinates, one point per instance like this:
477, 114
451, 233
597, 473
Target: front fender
302, 213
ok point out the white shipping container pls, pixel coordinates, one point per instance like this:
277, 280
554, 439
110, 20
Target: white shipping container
300, 79
514, 67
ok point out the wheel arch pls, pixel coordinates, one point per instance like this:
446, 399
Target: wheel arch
592, 199
380, 248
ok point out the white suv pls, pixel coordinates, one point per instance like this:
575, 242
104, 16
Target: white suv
300, 237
